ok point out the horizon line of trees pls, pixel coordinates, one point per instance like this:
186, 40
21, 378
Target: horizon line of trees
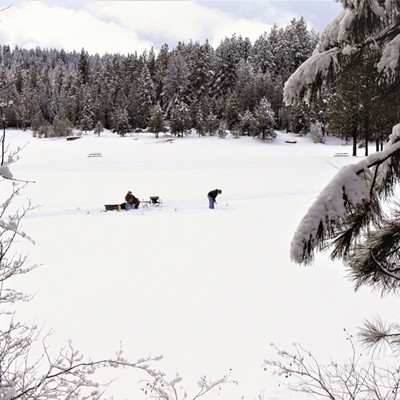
236, 86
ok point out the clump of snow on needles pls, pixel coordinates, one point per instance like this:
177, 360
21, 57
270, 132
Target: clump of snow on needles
306, 74
390, 58
347, 187
336, 31
5, 172
323, 58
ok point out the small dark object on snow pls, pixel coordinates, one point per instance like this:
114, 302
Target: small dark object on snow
114, 207
154, 201
73, 137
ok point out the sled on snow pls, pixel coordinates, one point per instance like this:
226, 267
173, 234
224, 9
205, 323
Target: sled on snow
154, 201
114, 207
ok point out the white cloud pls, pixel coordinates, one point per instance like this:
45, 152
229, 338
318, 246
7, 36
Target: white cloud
127, 26
179, 20
33, 23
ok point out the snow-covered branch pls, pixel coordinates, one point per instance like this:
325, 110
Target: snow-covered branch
350, 191
389, 62
67, 375
301, 83
359, 26
358, 377
161, 388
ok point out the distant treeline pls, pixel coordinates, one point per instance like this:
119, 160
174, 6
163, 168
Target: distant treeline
236, 86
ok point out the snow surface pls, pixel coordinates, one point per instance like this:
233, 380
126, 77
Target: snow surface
208, 289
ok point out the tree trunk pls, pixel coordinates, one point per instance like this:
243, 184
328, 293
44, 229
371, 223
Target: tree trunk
354, 141
366, 127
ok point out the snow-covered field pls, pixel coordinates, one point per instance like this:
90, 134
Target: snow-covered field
207, 289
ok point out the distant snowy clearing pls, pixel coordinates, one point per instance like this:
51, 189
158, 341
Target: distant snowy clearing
208, 289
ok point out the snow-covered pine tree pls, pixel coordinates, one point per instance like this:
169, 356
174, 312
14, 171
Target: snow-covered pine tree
156, 122
121, 121
248, 124
86, 122
161, 66
200, 60
265, 118
145, 95
98, 129
227, 58
245, 89
348, 215
211, 124
231, 112
357, 102
83, 67
180, 119
176, 81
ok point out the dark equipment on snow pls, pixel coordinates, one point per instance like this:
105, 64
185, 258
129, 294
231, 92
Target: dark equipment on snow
154, 201
114, 207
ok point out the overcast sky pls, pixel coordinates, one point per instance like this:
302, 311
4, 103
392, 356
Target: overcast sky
128, 26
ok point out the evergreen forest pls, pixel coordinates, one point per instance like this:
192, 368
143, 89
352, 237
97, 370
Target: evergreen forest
237, 86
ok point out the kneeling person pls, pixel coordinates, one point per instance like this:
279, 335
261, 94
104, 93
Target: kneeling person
131, 201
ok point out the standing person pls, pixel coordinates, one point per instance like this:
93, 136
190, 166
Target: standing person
212, 197
131, 201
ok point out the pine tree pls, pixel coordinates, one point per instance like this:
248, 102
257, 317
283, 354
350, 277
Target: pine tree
248, 124
180, 119
83, 67
262, 55
176, 81
145, 96
348, 215
200, 122
161, 66
211, 124
244, 89
61, 127
98, 129
231, 114
121, 121
352, 215
200, 59
86, 122
156, 122
265, 119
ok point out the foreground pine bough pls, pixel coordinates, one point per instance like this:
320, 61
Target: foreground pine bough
348, 216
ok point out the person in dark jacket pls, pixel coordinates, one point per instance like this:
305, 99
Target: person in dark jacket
212, 197
131, 201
